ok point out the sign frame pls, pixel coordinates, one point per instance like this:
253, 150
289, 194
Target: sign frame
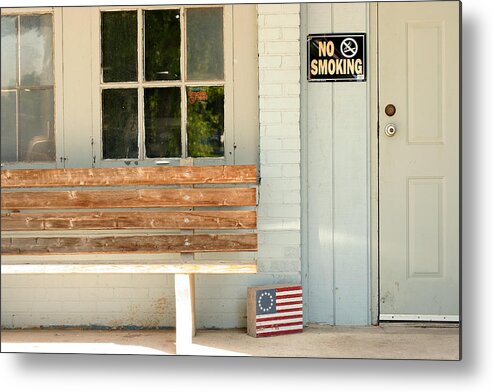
338, 36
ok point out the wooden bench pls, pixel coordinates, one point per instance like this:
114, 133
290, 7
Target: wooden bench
82, 220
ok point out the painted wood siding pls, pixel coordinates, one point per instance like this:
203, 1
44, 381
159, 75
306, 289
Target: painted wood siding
335, 158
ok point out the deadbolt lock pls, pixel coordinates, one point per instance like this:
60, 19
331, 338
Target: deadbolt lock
390, 130
390, 110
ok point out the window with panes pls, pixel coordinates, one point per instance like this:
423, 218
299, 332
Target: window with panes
27, 88
162, 83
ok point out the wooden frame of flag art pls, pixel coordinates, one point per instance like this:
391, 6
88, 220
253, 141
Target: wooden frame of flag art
274, 310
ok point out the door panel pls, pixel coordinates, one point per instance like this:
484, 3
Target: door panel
419, 164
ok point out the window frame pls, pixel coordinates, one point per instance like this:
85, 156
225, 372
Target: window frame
141, 84
57, 46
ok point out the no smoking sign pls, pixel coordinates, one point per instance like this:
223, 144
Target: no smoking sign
336, 57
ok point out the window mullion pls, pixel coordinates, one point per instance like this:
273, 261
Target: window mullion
18, 87
140, 78
184, 136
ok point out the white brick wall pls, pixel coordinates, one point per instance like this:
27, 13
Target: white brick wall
279, 89
148, 300
85, 300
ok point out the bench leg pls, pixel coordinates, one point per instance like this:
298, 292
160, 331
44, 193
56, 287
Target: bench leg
185, 312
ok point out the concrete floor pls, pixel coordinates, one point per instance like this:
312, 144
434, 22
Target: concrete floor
316, 341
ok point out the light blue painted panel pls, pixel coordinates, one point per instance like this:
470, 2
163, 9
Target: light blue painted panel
335, 124
351, 191
351, 236
318, 152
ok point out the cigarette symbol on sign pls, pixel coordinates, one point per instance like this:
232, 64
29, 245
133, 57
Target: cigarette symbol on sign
349, 47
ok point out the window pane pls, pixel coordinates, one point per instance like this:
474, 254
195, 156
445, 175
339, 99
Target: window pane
205, 57
8, 127
36, 50
162, 122
162, 45
9, 51
120, 129
205, 121
119, 46
36, 132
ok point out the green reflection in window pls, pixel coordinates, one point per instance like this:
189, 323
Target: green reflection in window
162, 109
120, 130
119, 46
205, 121
162, 45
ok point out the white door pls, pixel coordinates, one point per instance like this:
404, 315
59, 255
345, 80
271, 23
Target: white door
419, 160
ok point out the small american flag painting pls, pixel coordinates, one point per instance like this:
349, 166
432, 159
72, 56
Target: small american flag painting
275, 310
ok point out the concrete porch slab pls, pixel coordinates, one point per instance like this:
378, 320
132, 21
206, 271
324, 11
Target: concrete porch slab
316, 341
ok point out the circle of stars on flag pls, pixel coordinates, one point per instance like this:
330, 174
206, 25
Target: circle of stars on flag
265, 301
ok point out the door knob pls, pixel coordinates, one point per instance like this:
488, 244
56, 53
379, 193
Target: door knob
390, 130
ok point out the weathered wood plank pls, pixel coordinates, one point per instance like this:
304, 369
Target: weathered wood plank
129, 198
176, 175
197, 267
131, 244
129, 220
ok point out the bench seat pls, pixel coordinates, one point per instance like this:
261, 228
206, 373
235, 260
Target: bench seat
217, 267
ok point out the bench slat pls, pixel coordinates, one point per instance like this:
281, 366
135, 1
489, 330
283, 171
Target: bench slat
213, 267
179, 175
129, 244
108, 220
130, 198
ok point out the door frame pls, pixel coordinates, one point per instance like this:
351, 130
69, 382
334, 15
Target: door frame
374, 223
